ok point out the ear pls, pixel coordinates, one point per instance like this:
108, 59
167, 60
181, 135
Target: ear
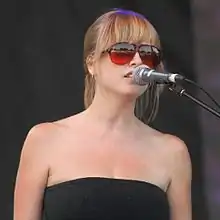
90, 64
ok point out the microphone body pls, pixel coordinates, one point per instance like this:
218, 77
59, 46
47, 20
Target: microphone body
142, 75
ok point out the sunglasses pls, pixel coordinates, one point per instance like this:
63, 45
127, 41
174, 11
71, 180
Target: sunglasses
123, 52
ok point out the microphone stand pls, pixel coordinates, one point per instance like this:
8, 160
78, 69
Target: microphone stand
179, 90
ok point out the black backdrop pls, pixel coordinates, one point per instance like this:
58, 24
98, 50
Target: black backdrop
42, 75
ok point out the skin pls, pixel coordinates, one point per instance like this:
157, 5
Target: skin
117, 145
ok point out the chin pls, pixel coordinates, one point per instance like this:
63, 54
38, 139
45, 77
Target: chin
133, 91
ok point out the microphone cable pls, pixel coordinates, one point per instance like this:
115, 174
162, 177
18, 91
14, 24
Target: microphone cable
203, 90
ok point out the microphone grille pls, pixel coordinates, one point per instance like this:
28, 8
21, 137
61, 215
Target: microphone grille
137, 75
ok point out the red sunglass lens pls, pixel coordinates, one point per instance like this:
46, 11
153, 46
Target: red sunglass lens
150, 56
121, 57
150, 60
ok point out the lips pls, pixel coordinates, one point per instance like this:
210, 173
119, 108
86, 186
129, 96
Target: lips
128, 75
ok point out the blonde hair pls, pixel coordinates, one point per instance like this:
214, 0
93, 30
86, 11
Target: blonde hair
121, 25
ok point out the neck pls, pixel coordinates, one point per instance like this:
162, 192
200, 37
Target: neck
112, 112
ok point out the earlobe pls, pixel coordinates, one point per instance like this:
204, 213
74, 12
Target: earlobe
91, 69
90, 66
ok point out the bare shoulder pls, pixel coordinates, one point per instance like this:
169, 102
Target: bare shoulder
40, 131
172, 144
179, 161
170, 147
48, 131
46, 136
173, 153
176, 147
40, 135
37, 144
179, 190
39, 149
33, 171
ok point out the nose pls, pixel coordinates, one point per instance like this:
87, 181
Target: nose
136, 60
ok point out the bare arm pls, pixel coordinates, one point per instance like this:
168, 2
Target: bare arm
179, 191
31, 176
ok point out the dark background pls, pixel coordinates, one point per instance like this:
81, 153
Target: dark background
206, 23
42, 75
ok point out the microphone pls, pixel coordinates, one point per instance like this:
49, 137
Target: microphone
142, 75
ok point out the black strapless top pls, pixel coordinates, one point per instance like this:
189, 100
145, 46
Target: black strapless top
101, 198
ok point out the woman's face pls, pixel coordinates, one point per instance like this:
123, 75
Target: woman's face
113, 78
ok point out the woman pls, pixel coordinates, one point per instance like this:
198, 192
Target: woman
106, 162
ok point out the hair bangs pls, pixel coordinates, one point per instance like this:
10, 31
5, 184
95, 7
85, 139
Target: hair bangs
125, 26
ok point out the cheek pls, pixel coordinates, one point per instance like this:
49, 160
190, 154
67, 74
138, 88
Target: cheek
106, 70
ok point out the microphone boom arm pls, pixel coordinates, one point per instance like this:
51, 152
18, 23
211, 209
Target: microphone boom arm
179, 90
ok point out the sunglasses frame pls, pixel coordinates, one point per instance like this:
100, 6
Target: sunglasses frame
136, 49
